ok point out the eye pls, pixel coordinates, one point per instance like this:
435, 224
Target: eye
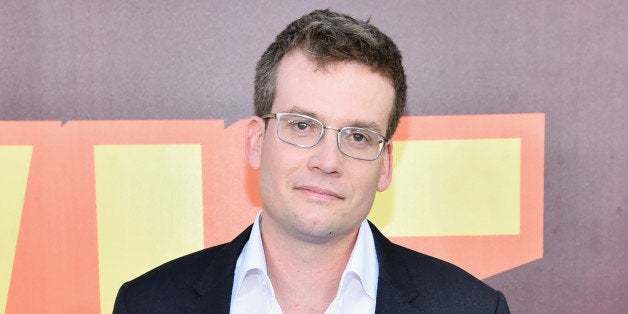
358, 137
302, 125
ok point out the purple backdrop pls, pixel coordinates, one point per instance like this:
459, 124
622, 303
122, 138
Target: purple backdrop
66, 60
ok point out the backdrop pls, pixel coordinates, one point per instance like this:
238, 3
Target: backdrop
121, 142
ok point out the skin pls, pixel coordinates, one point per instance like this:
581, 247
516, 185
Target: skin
314, 199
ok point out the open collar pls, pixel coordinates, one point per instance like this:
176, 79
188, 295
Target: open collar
394, 292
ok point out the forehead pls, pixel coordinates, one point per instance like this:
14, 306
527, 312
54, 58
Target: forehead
341, 93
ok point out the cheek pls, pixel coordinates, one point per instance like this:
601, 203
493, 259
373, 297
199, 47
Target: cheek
270, 164
271, 180
366, 182
277, 162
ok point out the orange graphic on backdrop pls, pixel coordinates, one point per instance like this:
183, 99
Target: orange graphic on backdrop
56, 259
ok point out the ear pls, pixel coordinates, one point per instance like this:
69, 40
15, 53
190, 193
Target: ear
385, 175
254, 137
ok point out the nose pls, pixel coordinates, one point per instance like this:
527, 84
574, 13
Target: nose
326, 156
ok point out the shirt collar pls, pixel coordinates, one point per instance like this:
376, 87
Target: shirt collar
252, 257
362, 262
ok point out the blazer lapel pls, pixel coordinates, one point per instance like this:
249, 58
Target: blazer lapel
214, 287
394, 294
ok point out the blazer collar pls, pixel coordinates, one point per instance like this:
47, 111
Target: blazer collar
394, 293
214, 287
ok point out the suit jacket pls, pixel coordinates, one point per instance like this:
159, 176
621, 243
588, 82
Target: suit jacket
409, 282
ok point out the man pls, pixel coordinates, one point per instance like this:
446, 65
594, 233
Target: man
328, 96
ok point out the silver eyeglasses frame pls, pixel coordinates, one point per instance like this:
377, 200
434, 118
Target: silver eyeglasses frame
382, 139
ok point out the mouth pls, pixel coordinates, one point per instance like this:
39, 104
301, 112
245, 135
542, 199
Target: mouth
318, 192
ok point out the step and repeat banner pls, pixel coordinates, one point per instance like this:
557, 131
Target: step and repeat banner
122, 143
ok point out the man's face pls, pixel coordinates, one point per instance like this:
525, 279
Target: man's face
315, 194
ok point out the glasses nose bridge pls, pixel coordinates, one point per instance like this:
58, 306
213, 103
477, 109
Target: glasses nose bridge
322, 135
330, 127
336, 140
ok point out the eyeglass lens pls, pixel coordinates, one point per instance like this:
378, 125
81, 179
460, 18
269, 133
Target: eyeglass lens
304, 131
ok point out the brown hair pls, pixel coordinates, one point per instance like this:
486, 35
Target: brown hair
326, 37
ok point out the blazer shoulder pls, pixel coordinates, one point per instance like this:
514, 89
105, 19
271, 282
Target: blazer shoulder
170, 286
428, 268
185, 269
432, 283
166, 288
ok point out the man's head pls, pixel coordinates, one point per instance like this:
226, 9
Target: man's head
327, 37
324, 99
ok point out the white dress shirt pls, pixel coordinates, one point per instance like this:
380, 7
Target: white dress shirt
253, 292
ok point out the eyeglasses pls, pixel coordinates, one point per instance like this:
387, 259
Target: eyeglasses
304, 131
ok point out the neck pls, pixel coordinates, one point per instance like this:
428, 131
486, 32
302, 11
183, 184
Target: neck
305, 274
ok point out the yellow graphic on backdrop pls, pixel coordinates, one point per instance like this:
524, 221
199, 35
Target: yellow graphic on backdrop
149, 202
452, 188
14, 166
149, 199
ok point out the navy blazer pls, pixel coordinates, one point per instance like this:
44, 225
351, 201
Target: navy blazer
409, 282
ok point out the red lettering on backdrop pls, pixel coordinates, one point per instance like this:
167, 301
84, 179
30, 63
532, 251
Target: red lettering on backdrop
56, 260
55, 269
488, 255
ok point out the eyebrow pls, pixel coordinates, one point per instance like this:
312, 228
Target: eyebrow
299, 110
371, 125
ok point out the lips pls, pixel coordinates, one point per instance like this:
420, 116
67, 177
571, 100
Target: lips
319, 192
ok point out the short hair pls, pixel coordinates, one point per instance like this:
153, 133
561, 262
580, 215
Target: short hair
327, 37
